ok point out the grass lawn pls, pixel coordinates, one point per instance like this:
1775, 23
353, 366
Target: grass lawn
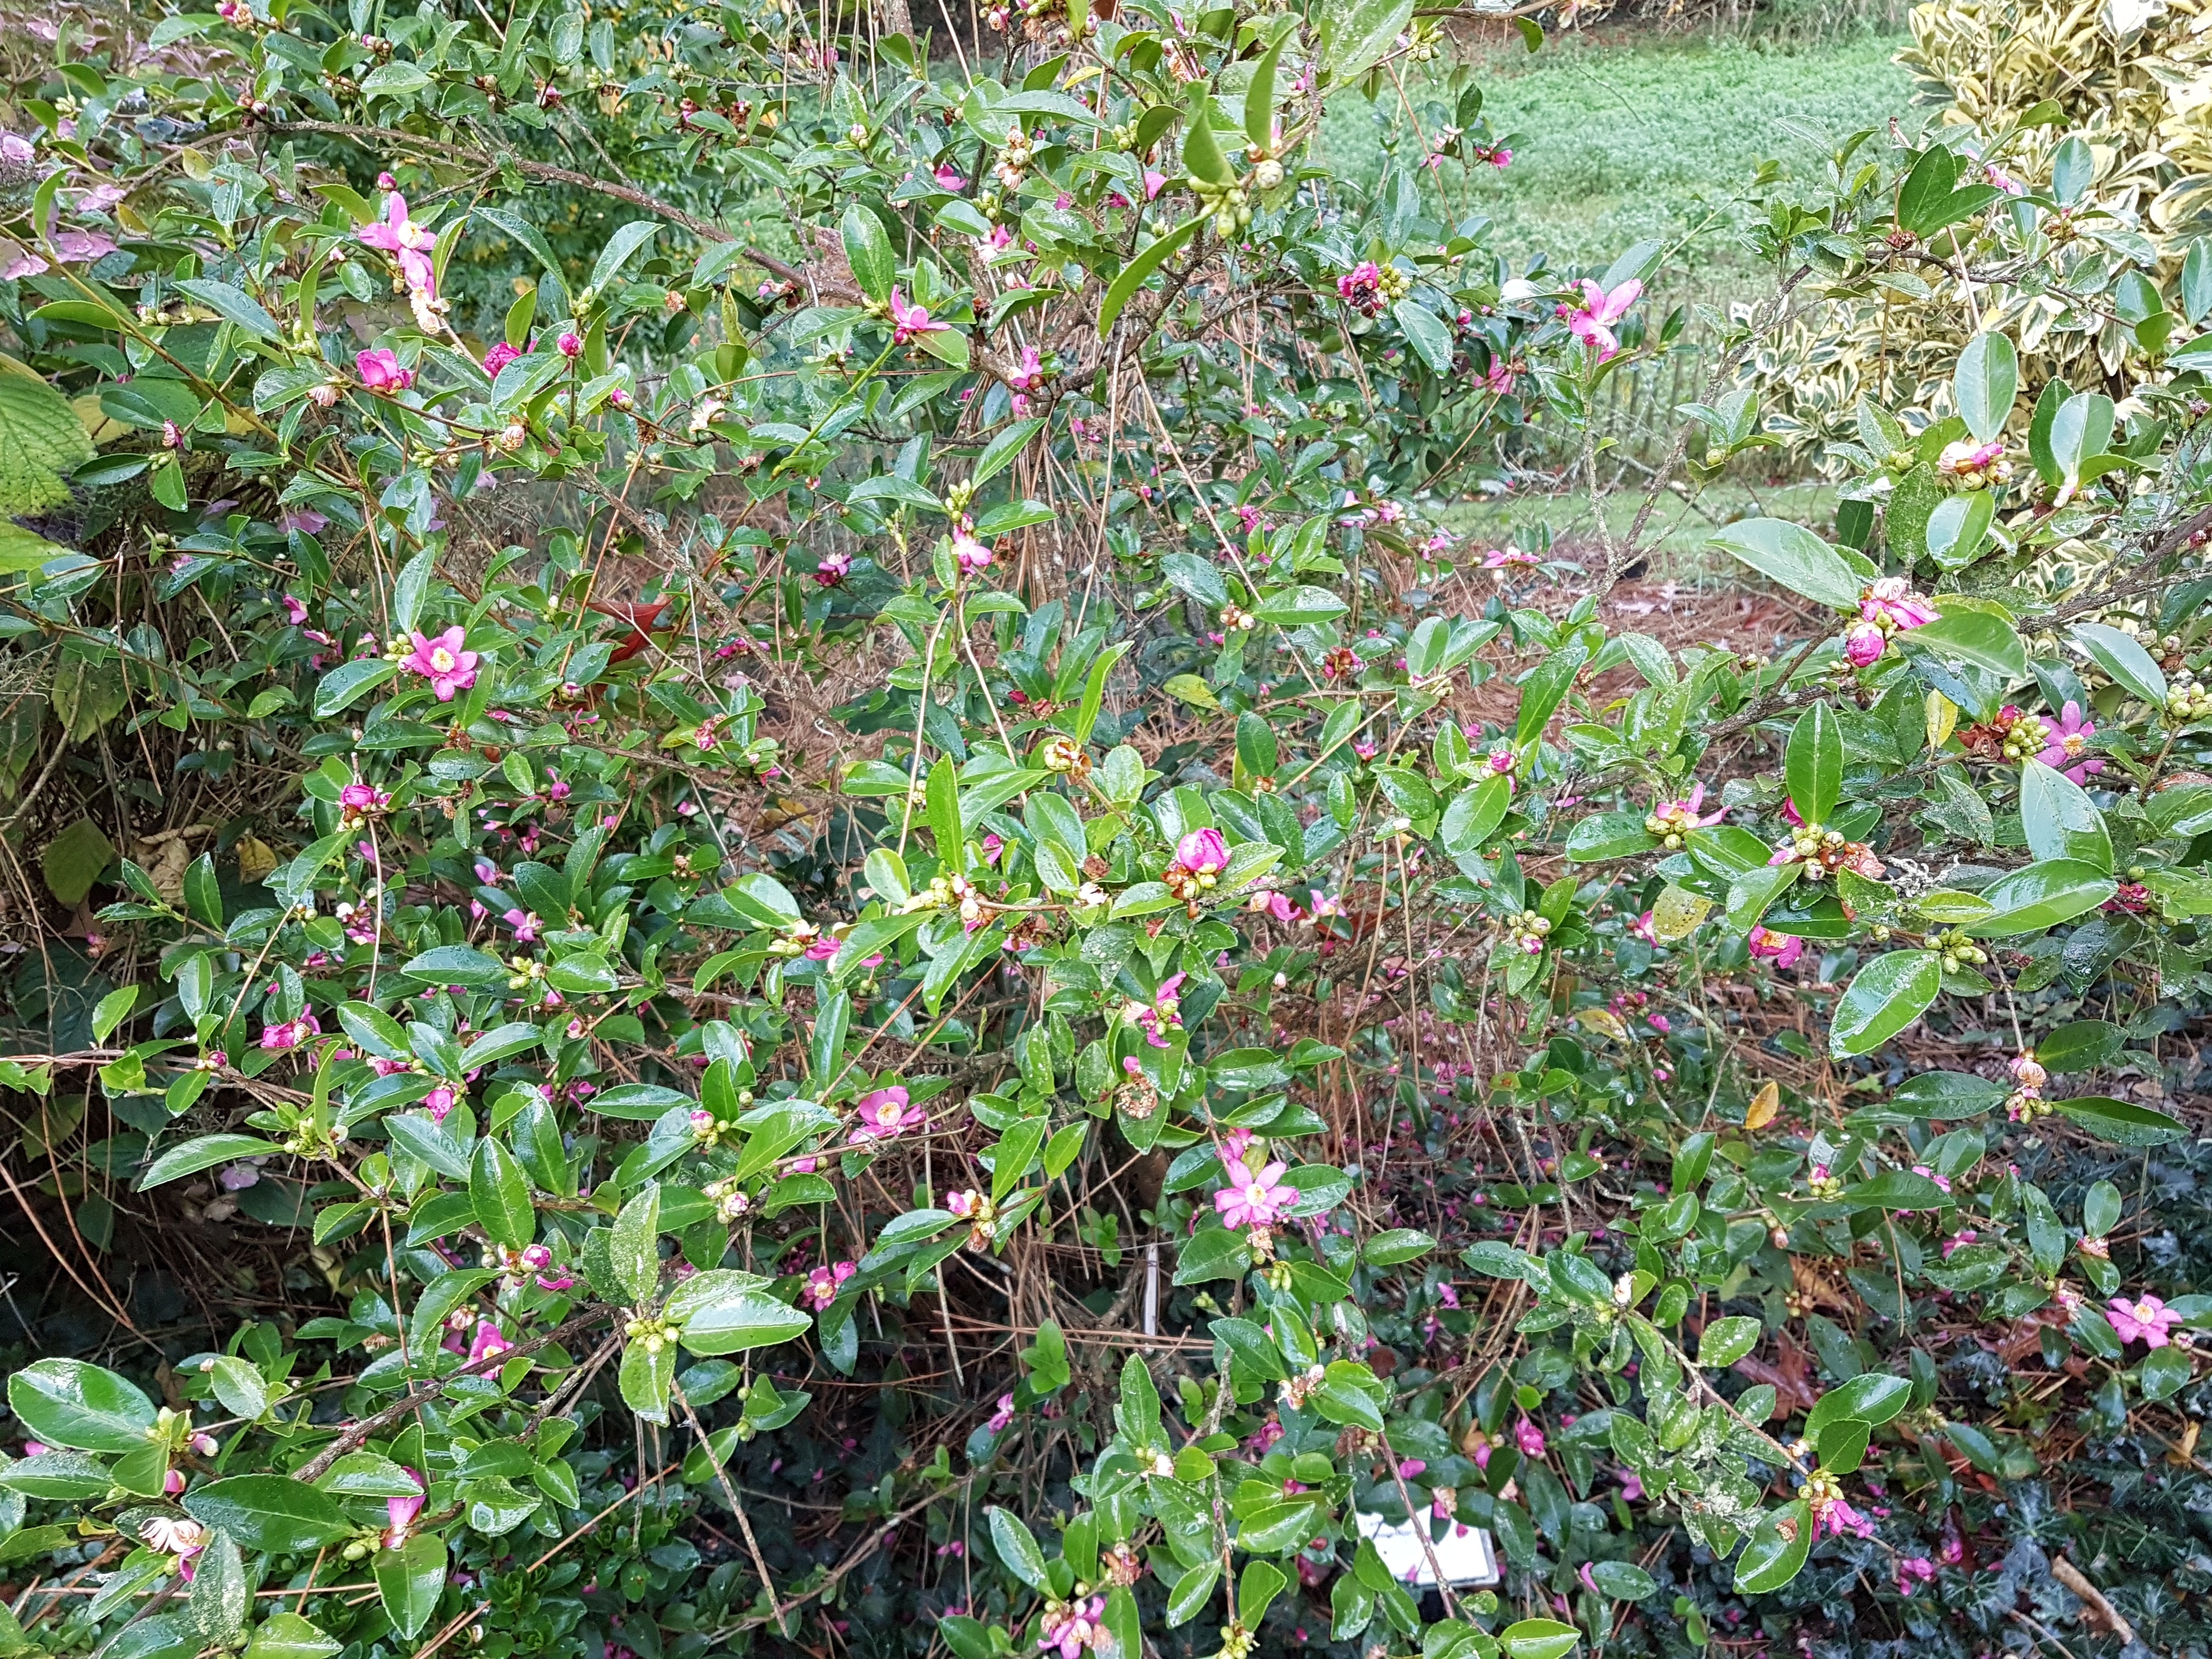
1632, 135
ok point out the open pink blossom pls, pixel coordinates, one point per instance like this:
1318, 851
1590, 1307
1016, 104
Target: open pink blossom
379, 370
1592, 321
997, 1422
2069, 748
443, 662
1255, 1199
823, 1284
1163, 1013
1678, 817
399, 235
291, 1033
948, 177
1028, 374
1644, 928
1891, 602
2147, 1318
908, 320
1784, 948
1528, 1437
971, 555
1835, 1517
885, 1114
1079, 1627
525, 925
1503, 558
400, 1512
489, 1343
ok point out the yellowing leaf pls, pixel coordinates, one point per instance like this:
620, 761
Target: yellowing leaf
1763, 1105
255, 860
1189, 688
1677, 914
1603, 1021
1943, 720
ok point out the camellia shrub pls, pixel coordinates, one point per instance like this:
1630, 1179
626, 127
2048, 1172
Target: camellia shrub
1266, 1022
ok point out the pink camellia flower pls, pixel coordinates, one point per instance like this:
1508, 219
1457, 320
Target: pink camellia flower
379, 370
1835, 1517
2068, 750
363, 798
1784, 948
833, 569
570, 344
175, 1535
1644, 929
1361, 288
498, 358
1203, 853
295, 611
488, 1342
948, 177
1678, 818
443, 662
822, 1285
997, 1422
993, 844
173, 1483
1508, 558
1163, 1012
400, 236
1528, 1437
441, 1101
1592, 321
202, 1445
1891, 602
1029, 375
908, 320
1863, 643
399, 1513
885, 1114
1913, 1571
1966, 456
1408, 1468
1255, 1199
1631, 1485
2147, 1318
1077, 1628
34, 1449
292, 1033
969, 554
824, 947
525, 925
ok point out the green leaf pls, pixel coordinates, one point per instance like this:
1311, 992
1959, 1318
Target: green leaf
1873, 1398
2081, 1045
1883, 998
621, 248
269, 1512
645, 1379
1974, 637
233, 305
2118, 655
457, 964
868, 250
1622, 1581
1776, 1551
1017, 1548
1146, 260
1726, 1341
1814, 765
1544, 690
1363, 35
114, 1008
2060, 820
1212, 1253
1191, 1593
66, 1402
41, 441
1474, 815
1201, 152
1396, 1245
1428, 337
288, 1636
75, 860
2047, 892
1792, 558
736, 1323
1259, 99
632, 1245
1985, 383
345, 685
2122, 1122
1301, 607
499, 1193
1538, 1638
